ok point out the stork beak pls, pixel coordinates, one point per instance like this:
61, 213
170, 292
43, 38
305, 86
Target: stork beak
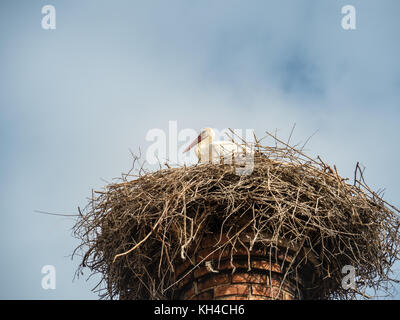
195, 141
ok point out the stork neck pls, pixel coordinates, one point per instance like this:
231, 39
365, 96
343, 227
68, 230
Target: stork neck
206, 141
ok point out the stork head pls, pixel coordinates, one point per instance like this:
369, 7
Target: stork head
205, 134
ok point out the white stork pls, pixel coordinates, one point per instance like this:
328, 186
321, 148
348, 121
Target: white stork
208, 150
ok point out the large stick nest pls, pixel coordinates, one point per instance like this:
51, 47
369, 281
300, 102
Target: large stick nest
137, 231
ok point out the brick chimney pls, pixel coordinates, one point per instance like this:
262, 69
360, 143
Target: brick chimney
242, 277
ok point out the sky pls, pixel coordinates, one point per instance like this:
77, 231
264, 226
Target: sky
76, 99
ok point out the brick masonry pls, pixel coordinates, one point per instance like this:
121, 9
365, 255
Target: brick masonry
244, 277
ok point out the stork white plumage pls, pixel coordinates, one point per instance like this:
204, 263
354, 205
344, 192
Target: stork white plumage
208, 150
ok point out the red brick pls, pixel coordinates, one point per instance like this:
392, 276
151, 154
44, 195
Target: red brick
214, 280
287, 258
207, 295
261, 290
189, 293
259, 298
249, 278
201, 272
288, 296
226, 265
231, 289
265, 265
242, 251
264, 290
183, 280
275, 282
233, 298
286, 285
225, 285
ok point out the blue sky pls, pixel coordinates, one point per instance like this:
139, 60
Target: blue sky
74, 100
